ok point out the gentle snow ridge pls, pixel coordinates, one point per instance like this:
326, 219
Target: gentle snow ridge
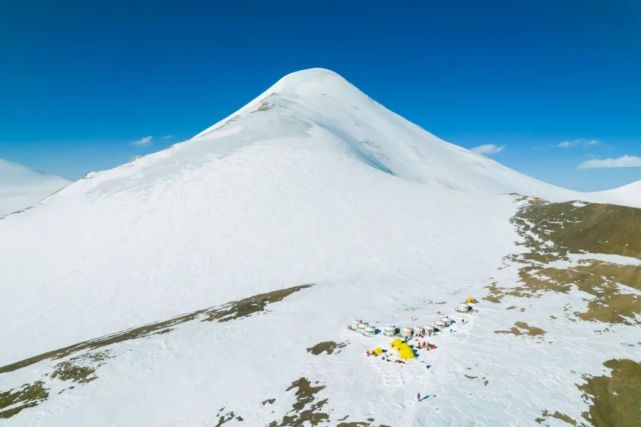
629, 195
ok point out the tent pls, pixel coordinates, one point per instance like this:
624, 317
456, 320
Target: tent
389, 331
464, 308
405, 352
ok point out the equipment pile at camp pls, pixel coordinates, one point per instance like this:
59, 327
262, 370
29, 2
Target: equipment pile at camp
408, 341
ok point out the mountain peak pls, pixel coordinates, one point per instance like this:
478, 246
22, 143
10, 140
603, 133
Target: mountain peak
317, 89
312, 82
317, 107
311, 74
315, 77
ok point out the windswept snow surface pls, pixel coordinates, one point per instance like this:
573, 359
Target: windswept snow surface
313, 182
21, 187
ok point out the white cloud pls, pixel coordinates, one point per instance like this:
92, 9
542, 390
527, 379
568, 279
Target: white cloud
487, 149
579, 142
144, 141
620, 162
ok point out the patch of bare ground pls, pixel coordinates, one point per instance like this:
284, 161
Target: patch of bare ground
328, 347
551, 232
557, 415
522, 328
15, 400
307, 410
615, 399
80, 369
225, 417
559, 239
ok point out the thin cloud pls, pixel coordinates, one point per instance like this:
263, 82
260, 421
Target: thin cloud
579, 142
144, 141
619, 162
167, 136
487, 149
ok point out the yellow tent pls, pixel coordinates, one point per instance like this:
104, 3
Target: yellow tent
471, 300
377, 351
405, 352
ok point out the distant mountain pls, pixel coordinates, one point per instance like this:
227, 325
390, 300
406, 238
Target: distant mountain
212, 283
629, 194
21, 187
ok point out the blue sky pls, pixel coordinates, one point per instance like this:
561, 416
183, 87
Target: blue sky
554, 84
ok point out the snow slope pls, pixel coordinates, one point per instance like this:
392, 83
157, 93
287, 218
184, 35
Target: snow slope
312, 182
223, 214
21, 187
629, 195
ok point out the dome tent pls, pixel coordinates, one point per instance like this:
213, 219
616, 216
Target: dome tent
405, 352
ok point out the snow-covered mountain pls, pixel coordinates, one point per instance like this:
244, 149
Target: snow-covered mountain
311, 183
320, 107
21, 187
232, 205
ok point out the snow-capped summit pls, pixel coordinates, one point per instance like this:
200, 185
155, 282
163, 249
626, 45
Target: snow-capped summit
319, 105
21, 187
